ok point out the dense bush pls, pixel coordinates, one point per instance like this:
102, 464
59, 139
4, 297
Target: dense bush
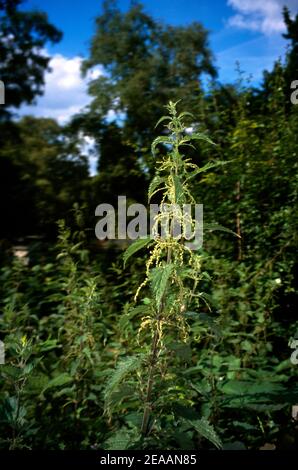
80, 371
176, 349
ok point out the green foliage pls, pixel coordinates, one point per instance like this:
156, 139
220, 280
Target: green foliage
42, 174
146, 64
23, 36
135, 247
173, 273
159, 280
166, 63
205, 430
125, 367
181, 349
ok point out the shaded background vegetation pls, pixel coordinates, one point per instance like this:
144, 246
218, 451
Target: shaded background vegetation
64, 314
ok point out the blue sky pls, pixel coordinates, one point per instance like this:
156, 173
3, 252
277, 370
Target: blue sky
248, 31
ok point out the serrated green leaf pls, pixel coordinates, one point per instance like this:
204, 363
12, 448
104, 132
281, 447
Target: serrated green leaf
201, 136
187, 144
154, 186
119, 441
184, 140
205, 318
134, 247
48, 345
162, 119
58, 381
185, 113
124, 367
185, 412
37, 382
206, 298
121, 395
206, 430
182, 350
245, 387
213, 227
178, 189
134, 420
67, 391
160, 140
126, 317
206, 167
243, 425
159, 281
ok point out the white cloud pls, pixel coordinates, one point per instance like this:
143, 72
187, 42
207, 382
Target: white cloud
65, 94
65, 90
264, 16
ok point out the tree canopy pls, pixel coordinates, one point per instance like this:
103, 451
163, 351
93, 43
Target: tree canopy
146, 63
23, 62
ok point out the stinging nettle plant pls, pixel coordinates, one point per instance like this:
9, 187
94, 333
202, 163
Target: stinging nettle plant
173, 275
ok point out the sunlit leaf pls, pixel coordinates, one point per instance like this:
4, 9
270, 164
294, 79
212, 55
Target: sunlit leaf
134, 247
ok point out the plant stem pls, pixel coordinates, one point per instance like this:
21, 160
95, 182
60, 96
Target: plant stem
238, 222
153, 359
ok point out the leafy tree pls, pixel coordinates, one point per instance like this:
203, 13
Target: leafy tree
23, 35
289, 68
42, 174
291, 72
146, 64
